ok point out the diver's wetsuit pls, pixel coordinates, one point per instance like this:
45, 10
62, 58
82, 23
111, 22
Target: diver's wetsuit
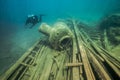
32, 19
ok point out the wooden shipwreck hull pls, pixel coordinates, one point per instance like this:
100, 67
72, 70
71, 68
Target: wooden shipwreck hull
83, 60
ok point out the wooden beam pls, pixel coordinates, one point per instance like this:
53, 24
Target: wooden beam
73, 64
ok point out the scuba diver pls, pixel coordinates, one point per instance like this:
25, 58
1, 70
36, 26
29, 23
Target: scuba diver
33, 20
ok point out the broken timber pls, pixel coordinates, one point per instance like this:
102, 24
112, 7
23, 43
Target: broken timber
85, 60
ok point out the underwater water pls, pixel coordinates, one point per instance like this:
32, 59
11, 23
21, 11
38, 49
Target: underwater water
15, 39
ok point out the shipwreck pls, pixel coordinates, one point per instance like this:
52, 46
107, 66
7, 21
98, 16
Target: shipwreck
67, 52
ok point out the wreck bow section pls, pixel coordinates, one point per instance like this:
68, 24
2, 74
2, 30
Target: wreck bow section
66, 55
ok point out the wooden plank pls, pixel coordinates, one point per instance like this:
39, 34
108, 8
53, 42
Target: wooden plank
47, 68
60, 75
75, 70
73, 64
113, 62
100, 70
86, 64
108, 59
36, 71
